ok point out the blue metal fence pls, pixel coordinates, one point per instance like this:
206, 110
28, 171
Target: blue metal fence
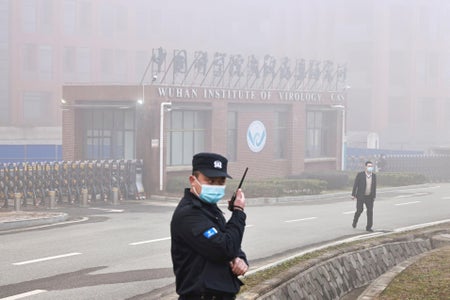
435, 167
23, 153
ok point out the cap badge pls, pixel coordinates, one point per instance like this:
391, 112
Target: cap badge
218, 164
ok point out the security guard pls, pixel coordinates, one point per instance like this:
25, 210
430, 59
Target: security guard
206, 249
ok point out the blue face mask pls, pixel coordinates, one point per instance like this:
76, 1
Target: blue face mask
370, 169
211, 193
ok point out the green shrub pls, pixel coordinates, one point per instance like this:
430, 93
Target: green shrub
283, 187
304, 184
400, 179
334, 180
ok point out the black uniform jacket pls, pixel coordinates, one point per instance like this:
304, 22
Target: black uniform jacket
203, 244
359, 187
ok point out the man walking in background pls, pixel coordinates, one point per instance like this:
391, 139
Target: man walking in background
364, 190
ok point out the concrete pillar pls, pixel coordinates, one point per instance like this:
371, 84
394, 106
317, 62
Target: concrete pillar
84, 197
115, 192
52, 195
17, 201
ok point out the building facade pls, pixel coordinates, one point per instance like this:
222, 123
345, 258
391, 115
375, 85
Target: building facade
274, 133
397, 52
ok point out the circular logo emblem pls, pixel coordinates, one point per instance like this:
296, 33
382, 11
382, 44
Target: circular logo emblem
256, 136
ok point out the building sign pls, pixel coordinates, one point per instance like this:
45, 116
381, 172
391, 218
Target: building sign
247, 72
256, 136
186, 93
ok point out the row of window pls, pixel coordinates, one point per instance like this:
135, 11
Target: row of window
39, 64
110, 134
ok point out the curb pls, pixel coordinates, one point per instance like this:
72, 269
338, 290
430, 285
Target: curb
53, 218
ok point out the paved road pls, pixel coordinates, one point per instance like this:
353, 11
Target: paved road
123, 252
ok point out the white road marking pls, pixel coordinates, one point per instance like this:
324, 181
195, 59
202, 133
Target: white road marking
407, 203
107, 209
420, 189
348, 212
149, 241
45, 258
23, 295
298, 220
411, 195
161, 239
446, 198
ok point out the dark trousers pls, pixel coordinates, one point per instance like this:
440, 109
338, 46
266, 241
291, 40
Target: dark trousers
368, 202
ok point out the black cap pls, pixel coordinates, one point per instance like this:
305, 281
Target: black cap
210, 164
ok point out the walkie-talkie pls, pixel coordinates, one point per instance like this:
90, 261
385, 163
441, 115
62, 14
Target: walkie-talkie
233, 198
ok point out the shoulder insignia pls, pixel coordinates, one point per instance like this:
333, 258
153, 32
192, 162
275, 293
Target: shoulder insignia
210, 233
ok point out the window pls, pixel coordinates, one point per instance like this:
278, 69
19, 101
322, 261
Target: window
76, 64
45, 64
319, 134
70, 16
106, 64
427, 67
121, 65
29, 15
400, 25
109, 134
85, 18
281, 135
36, 106
232, 136
69, 64
427, 111
77, 17
399, 111
106, 22
29, 60
186, 135
46, 16
429, 23
83, 64
398, 69
37, 62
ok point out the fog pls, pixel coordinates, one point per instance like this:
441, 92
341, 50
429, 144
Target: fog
396, 53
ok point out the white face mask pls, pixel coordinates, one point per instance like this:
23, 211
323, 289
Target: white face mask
211, 193
369, 169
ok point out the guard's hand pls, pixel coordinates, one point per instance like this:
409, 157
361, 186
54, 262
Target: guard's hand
353, 197
238, 266
240, 199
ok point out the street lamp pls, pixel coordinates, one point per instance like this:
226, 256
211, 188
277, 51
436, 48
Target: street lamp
161, 143
343, 137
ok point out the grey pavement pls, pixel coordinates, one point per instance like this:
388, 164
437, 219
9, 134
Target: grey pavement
32, 217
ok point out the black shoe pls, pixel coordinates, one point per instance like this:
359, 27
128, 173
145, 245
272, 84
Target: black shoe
369, 229
354, 224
